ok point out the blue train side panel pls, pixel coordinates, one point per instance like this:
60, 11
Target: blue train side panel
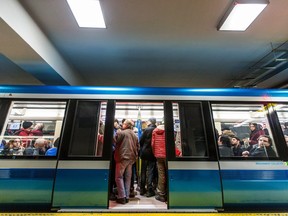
252, 187
27, 188
194, 184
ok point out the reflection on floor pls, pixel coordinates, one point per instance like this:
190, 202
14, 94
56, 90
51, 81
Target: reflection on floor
139, 203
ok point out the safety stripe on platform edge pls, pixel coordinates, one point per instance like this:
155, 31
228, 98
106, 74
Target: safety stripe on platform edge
142, 214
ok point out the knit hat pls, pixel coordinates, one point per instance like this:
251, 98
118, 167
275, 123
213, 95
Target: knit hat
26, 124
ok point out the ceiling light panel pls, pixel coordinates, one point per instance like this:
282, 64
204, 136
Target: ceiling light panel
87, 13
241, 14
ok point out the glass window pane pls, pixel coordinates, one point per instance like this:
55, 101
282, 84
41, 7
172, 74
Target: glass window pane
190, 139
32, 128
88, 129
247, 129
282, 113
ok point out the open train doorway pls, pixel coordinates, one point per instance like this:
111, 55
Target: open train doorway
144, 193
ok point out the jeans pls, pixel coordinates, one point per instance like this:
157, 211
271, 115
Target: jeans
123, 175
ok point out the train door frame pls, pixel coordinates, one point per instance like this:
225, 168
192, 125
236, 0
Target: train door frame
146, 201
198, 171
82, 181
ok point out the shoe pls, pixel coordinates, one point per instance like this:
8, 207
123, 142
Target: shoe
142, 192
160, 198
132, 194
121, 200
112, 197
150, 194
127, 200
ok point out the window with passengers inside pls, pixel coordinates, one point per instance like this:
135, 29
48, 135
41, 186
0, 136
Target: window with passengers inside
243, 130
32, 128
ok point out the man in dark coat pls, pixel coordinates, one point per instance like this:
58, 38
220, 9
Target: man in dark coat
148, 163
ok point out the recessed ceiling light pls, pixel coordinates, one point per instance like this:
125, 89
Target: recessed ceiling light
87, 13
241, 14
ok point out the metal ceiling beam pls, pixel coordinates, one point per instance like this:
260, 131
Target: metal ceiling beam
19, 20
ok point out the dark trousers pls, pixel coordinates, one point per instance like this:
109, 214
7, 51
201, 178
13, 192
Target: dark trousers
149, 168
112, 183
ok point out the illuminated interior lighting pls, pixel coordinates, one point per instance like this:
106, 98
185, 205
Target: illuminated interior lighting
241, 14
87, 13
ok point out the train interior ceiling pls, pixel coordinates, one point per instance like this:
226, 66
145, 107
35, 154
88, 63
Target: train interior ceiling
50, 115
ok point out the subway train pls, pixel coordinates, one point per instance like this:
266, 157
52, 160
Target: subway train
70, 120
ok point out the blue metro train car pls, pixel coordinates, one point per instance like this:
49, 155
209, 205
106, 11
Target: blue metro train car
56, 147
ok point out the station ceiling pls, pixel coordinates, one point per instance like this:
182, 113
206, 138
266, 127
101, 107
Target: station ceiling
172, 43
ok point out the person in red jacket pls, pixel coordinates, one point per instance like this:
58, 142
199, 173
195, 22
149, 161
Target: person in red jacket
159, 151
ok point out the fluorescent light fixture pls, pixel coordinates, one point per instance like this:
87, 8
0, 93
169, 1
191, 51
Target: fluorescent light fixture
87, 13
241, 14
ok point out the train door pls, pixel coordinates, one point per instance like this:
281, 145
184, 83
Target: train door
28, 159
193, 171
83, 166
143, 194
253, 173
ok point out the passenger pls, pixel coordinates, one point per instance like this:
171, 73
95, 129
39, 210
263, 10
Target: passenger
264, 128
18, 149
148, 163
39, 147
53, 151
285, 128
224, 145
8, 148
254, 135
228, 132
126, 153
237, 147
25, 131
263, 149
2, 144
178, 151
159, 150
286, 139
134, 172
100, 142
38, 129
112, 183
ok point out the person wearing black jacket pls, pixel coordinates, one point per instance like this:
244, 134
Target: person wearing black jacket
148, 164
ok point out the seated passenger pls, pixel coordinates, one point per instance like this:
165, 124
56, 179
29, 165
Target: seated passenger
39, 147
224, 145
263, 149
237, 148
53, 151
8, 148
18, 149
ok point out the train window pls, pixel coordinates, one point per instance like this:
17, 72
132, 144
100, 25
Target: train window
190, 138
88, 129
32, 128
243, 131
282, 113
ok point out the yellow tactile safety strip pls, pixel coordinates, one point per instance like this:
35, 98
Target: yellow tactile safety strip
143, 214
